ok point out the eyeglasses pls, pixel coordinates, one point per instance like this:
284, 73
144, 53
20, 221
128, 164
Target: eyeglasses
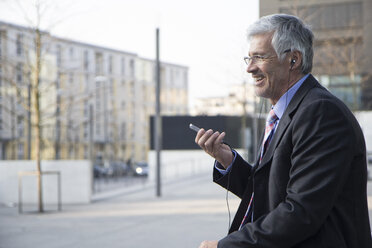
257, 59
260, 58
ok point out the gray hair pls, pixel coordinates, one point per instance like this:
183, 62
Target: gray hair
289, 34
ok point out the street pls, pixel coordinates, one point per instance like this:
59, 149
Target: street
189, 211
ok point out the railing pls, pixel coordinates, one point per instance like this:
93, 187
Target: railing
22, 174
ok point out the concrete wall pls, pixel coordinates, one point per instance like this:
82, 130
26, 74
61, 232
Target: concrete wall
365, 120
177, 164
76, 181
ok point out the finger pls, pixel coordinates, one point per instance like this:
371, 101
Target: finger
204, 138
199, 135
209, 144
219, 139
202, 245
217, 142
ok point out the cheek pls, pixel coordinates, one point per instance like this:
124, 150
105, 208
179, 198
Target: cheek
273, 74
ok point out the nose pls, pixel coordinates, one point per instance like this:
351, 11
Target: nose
252, 67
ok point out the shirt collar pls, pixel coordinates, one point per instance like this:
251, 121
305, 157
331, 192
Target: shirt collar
285, 99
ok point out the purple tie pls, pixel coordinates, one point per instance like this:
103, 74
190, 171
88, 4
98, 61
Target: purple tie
269, 131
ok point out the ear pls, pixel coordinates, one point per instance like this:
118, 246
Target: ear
295, 60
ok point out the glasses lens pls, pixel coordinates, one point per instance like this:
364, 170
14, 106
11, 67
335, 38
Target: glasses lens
247, 59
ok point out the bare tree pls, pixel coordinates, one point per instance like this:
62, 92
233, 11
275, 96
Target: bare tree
31, 83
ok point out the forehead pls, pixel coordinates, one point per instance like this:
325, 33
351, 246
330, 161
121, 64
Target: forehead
261, 44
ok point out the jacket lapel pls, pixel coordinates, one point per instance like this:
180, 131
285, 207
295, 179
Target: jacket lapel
286, 119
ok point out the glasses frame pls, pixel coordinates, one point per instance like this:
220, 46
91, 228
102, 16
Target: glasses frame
260, 58
257, 59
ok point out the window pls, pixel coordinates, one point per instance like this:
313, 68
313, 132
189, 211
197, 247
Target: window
70, 151
19, 73
20, 127
171, 77
20, 151
1, 78
1, 118
71, 51
86, 82
86, 131
131, 88
131, 65
86, 110
1, 42
98, 103
71, 78
342, 87
59, 55
70, 126
98, 128
19, 45
123, 127
122, 66
99, 63
111, 90
98, 91
86, 152
346, 94
86, 60
110, 64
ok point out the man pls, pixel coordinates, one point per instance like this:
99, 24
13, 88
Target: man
308, 186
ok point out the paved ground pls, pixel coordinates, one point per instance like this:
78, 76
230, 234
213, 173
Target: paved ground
188, 212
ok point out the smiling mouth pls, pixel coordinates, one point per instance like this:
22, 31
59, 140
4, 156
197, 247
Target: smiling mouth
258, 80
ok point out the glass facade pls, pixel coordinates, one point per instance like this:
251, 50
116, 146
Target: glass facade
346, 89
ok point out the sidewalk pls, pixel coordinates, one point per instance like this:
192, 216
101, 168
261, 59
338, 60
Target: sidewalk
189, 211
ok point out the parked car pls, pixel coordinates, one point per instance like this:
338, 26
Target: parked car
99, 171
120, 168
141, 169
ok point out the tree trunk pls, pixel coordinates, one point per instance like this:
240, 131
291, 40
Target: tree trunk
36, 96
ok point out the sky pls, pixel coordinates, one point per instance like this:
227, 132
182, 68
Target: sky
208, 36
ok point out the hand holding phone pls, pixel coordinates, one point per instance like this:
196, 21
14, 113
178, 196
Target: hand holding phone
213, 144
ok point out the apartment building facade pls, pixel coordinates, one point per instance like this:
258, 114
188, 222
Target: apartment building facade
95, 101
343, 37
239, 101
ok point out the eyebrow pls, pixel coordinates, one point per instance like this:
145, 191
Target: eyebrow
256, 53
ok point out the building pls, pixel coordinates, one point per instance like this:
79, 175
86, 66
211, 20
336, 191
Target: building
95, 101
343, 37
239, 101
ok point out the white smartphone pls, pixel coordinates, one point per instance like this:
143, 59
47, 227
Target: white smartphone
193, 127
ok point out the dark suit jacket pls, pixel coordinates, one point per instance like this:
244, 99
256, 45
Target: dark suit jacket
310, 187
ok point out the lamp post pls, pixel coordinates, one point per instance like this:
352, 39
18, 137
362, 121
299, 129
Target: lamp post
158, 131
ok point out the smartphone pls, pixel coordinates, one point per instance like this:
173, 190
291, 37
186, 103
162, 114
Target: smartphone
193, 127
